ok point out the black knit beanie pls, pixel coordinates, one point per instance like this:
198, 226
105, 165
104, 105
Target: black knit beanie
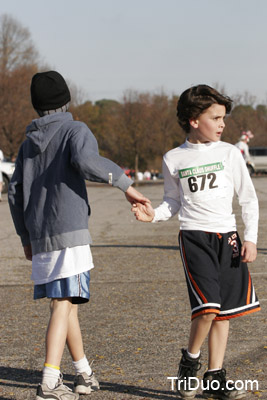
49, 91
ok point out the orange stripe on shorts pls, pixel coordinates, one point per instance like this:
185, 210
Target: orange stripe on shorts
249, 289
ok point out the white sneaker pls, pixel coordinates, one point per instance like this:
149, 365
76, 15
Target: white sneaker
85, 384
60, 392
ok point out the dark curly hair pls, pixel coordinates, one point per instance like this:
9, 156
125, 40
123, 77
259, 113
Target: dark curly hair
195, 100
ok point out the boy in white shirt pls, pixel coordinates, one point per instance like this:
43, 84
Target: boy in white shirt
200, 178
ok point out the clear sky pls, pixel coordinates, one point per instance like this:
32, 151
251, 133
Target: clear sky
105, 47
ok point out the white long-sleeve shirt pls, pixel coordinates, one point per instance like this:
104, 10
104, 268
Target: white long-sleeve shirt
200, 181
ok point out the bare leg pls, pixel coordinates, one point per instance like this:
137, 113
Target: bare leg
217, 343
74, 336
200, 328
57, 330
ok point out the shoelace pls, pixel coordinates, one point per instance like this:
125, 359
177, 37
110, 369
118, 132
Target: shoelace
221, 378
60, 383
191, 369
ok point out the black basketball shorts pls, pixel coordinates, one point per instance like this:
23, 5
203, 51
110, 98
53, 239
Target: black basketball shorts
218, 282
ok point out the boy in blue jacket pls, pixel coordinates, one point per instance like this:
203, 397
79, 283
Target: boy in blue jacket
50, 209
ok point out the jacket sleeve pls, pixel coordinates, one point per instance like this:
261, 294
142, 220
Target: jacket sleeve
15, 200
86, 159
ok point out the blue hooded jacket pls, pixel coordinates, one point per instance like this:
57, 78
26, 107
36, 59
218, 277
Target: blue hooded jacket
47, 193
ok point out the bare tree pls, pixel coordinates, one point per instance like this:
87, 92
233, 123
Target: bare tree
134, 127
18, 62
16, 110
16, 47
166, 131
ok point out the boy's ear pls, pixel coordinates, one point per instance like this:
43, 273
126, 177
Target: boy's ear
193, 123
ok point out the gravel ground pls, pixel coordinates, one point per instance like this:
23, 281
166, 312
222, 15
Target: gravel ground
139, 315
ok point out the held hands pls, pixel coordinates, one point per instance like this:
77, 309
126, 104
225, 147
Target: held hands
143, 212
141, 206
248, 252
133, 196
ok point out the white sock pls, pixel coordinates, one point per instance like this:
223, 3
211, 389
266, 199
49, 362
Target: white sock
213, 370
50, 377
82, 366
193, 355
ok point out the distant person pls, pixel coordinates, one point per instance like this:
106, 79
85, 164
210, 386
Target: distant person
242, 145
140, 176
1, 174
147, 175
50, 209
153, 175
200, 179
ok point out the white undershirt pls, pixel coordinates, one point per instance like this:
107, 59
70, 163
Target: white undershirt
58, 264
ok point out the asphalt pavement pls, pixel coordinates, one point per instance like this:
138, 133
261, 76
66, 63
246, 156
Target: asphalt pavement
138, 317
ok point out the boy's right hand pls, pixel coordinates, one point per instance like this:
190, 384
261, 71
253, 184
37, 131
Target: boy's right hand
28, 252
143, 212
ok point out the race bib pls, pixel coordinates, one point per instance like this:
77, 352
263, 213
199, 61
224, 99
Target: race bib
204, 181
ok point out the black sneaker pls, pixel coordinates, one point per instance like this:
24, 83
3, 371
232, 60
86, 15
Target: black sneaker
215, 386
188, 367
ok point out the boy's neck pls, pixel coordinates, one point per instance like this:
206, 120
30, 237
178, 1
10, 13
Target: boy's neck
195, 139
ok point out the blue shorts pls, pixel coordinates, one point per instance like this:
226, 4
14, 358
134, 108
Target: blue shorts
75, 287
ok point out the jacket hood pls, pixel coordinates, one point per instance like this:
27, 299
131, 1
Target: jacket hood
42, 130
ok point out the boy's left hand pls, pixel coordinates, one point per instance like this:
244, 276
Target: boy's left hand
248, 252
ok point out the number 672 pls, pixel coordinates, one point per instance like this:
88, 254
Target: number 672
199, 182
